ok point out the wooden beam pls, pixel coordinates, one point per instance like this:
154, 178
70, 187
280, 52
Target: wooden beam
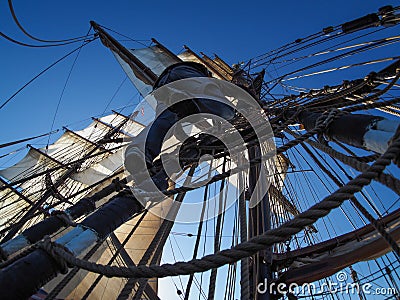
129, 118
204, 62
85, 139
46, 155
151, 294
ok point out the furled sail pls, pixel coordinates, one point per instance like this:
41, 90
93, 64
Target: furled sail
333, 255
70, 146
42, 167
152, 57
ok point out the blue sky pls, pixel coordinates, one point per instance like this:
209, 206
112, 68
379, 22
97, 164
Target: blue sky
235, 30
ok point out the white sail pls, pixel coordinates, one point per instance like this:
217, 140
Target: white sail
101, 170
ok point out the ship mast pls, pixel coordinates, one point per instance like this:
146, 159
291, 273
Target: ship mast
259, 222
324, 118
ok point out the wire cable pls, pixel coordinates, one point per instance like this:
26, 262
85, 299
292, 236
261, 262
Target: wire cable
35, 38
37, 46
62, 94
43, 71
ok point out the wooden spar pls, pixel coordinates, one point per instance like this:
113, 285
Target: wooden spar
71, 163
219, 61
217, 67
103, 123
19, 181
326, 267
140, 70
71, 170
205, 63
280, 259
259, 222
46, 155
86, 140
130, 119
166, 50
26, 139
365, 242
96, 226
358, 130
53, 223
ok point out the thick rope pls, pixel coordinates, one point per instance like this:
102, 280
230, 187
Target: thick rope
286, 230
115, 255
252, 246
322, 123
156, 246
63, 283
383, 178
47, 245
386, 236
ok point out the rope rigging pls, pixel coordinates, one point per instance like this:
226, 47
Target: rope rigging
62, 92
44, 71
41, 46
63, 41
245, 249
27, 139
364, 173
293, 222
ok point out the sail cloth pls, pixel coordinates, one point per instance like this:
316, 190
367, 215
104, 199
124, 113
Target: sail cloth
71, 146
157, 60
154, 58
33, 161
191, 56
101, 170
10, 205
113, 162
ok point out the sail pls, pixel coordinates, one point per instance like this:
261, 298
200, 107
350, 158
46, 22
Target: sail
131, 254
45, 166
153, 58
211, 65
142, 66
101, 170
70, 146
10, 206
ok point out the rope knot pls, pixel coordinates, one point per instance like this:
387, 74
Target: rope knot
394, 139
370, 78
50, 247
3, 255
64, 217
324, 121
118, 184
